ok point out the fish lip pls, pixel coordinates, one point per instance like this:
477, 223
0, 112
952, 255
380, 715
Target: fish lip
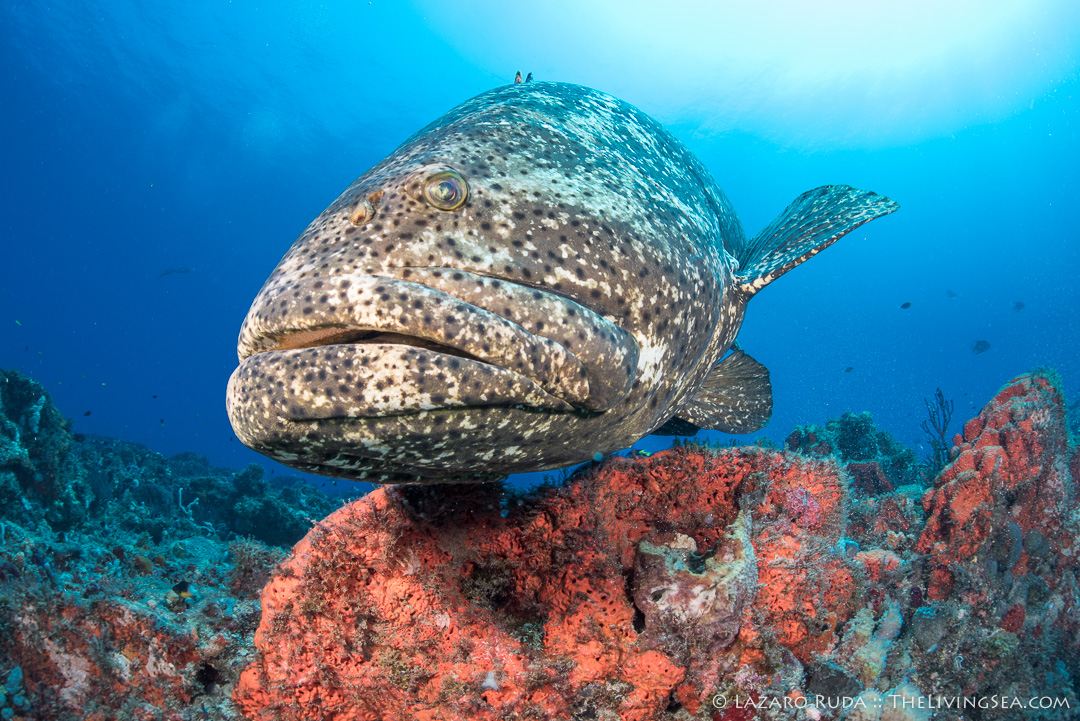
579, 356
350, 384
285, 318
608, 352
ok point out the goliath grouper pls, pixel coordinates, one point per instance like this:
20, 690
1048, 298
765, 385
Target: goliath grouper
541, 275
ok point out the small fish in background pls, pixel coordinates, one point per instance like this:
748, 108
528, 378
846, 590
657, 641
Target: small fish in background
170, 271
1018, 306
184, 589
980, 346
87, 413
849, 369
905, 306
949, 292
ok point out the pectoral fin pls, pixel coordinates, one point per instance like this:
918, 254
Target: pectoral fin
813, 222
735, 398
676, 426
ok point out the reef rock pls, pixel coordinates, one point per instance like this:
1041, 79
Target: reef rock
35, 460
124, 593
668, 587
637, 589
1002, 540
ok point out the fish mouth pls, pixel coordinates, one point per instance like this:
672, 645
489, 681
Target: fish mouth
419, 339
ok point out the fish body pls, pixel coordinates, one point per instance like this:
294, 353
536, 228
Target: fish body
171, 271
541, 275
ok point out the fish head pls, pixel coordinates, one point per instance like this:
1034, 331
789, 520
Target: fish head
490, 298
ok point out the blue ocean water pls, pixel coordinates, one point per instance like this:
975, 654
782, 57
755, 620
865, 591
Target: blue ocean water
201, 138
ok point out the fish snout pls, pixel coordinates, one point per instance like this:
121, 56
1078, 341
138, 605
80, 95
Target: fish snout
354, 310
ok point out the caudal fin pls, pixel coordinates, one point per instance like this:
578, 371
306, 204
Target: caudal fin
814, 221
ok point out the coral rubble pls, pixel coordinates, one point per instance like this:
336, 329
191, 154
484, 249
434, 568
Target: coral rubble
670, 587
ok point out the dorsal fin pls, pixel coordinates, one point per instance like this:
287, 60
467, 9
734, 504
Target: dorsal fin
736, 397
814, 221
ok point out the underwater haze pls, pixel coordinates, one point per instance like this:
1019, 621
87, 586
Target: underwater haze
159, 158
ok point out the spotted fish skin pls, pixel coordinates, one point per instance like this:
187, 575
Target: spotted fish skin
579, 299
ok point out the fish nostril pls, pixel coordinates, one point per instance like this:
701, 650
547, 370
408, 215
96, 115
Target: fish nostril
365, 209
362, 214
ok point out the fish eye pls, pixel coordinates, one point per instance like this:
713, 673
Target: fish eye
446, 190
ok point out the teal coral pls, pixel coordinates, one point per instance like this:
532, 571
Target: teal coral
854, 438
13, 698
35, 453
96, 536
79, 482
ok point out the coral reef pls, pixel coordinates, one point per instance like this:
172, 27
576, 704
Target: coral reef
877, 462
698, 583
128, 580
1003, 536
670, 587
939, 415
35, 457
621, 592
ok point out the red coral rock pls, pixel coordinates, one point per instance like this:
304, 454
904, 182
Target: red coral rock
429, 604
1011, 469
879, 564
147, 661
941, 584
1013, 620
